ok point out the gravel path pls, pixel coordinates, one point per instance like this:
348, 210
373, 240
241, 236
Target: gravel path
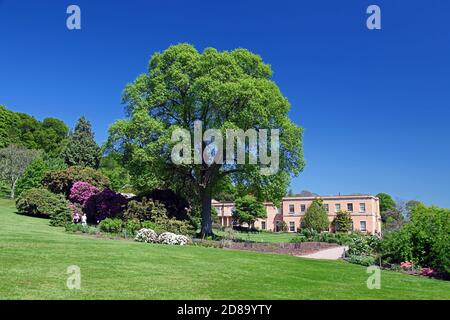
328, 254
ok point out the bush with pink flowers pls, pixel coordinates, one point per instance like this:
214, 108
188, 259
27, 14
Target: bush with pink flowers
81, 192
406, 265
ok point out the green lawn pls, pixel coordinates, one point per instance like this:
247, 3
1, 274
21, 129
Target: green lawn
34, 258
271, 237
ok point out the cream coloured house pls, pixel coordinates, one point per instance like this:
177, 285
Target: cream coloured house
364, 211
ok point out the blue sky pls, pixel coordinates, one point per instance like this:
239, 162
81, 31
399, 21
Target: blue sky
375, 105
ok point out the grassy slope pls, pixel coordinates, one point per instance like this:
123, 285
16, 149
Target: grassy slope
34, 258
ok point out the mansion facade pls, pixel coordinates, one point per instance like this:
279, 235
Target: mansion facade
363, 209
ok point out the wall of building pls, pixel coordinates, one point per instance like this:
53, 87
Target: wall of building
364, 211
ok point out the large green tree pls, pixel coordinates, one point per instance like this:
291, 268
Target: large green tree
17, 128
390, 212
229, 89
316, 217
248, 210
82, 150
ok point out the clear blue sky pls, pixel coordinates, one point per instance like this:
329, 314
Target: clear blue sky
375, 105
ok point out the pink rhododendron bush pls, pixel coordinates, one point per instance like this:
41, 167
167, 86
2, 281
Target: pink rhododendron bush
81, 192
150, 236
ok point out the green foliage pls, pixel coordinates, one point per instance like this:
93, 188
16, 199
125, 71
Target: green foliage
118, 176
391, 216
316, 217
111, 225
425, 239
43, 203
343, 221
35, 172
224, 90
248, 210
72, 227
362, 260
144, 210
82, 150
50, 135
363, 245
386, 202
155, 214
61, 181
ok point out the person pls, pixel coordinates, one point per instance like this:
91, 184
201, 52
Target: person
84, 219
76, 218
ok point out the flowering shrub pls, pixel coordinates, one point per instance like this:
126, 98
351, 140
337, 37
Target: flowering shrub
428, 272
182, 240
105, 204
81, 192
172, 238
406, 265
61, 181
146, 235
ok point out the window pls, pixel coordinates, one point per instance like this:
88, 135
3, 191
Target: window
302, 208
291, 208
263, 225
302, 224
362, 207
350, 207
362, 226
337, 207
291, 226
327, 207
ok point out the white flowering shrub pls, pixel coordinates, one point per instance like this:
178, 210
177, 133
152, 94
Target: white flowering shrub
173, 239
168, 238
146, 235
182, 240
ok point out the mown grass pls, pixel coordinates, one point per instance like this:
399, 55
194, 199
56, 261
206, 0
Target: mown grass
34, 258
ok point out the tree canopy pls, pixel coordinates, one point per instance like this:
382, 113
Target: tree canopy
223, 90
82, 150
50, 135
248, 210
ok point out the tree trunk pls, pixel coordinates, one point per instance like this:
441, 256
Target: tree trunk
206, 229
13, 190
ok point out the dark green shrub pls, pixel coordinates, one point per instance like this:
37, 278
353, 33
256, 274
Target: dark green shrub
111, 225
61, 181
35, 172
43, 203
144, 210
342, 222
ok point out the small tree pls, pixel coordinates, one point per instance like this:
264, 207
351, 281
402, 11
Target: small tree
316, 216
13, 162
248, 210
343, 221
82, 150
